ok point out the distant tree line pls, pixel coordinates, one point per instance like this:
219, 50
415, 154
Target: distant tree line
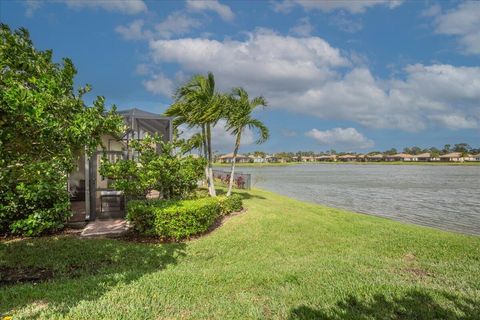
463, 148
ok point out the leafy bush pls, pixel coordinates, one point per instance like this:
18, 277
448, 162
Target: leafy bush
172, 176
230, 204
44, 126
179, 219
37, 204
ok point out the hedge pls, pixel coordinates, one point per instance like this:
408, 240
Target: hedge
179, 219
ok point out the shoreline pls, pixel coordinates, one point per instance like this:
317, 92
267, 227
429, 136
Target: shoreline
369, 214
379, 163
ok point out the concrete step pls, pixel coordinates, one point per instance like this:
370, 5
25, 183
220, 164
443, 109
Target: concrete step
107, 228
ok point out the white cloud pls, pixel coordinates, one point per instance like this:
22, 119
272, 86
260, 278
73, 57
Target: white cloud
456, 121
339, 137
222, 10
133, 31
463, 22
266, 60
176, 23
31, 6
432, 11
346, 22
352, 6
308, 76
122, 6
128, 7
303, 29
159, 84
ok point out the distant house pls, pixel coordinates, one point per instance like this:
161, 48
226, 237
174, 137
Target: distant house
476, 157
425, 157
399, 157
375, 157
271, 158
256, 159
453, 157
307, 159
330, 158
361, 157
347, 157
228, 158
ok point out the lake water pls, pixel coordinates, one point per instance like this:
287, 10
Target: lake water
446, 197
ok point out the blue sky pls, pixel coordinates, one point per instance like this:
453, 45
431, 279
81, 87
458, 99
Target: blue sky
349, 75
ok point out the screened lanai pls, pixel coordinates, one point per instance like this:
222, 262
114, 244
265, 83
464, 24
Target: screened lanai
92, 196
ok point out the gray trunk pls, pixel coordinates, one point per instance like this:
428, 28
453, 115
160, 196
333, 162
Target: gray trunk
232, 173
213, 193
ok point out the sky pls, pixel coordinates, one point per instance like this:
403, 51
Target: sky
346, 75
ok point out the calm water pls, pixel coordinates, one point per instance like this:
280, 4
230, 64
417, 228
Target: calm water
445, 197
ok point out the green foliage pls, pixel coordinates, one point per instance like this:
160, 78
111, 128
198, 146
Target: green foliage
156, 168
232, 203
178, 219
173, 219
44, 126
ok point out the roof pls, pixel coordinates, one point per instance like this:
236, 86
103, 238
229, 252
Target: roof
141, 114
347, 156
452, 155
378, 155
141, 122
401, 155
326, 156
230, 155
423, 155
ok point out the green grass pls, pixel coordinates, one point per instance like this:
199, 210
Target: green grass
412, 163
282, 259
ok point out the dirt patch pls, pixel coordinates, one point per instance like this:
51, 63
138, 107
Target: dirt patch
409, 257
15, 275
417, 272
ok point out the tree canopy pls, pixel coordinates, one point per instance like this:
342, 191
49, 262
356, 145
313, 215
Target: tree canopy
44, 126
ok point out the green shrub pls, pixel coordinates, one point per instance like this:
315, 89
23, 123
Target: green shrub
173, 219
38, 202
230, 204
181, 219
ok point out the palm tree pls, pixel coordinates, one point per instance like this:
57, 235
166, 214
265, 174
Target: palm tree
197, 104
239, 117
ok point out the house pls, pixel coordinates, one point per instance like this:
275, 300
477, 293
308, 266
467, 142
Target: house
329, 157
454, 157
271, 158
375, 157
307, 159
399, 157
361, 157
91, 195
228, 158
475, 157
347, 157
424, 157
256, 159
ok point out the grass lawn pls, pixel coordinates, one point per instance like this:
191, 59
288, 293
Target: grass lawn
282, 259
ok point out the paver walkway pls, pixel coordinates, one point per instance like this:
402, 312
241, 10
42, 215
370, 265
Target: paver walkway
110, 227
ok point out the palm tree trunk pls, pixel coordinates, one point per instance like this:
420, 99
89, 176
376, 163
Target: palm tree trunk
234, 159
210, 160
205, 154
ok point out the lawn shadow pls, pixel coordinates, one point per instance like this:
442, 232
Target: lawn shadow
414, 304
245, 194
81, 269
